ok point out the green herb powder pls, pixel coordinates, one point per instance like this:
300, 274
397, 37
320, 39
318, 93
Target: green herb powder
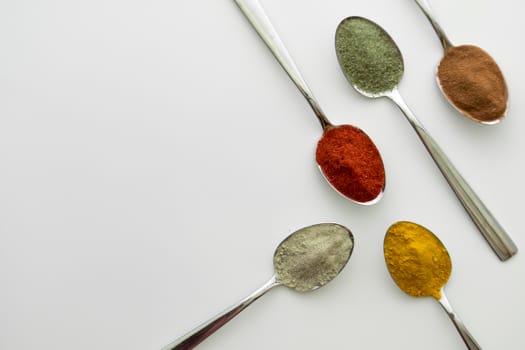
369, 58
312, 256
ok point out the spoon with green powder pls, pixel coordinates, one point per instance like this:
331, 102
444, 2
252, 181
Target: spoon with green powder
373, 64
346, 156
306, 260
420, 265
469, 78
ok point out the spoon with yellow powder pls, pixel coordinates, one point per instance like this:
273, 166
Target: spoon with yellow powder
373, 64
420, 265
306, 260
469, 78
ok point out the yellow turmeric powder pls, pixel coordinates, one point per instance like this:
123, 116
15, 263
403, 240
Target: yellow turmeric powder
416, 259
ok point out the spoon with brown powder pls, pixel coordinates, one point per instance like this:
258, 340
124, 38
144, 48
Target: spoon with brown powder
306, 260
420, 265
346, 156
469, 78
373, 64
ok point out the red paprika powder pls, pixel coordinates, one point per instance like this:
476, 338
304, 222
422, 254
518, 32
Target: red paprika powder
351, 163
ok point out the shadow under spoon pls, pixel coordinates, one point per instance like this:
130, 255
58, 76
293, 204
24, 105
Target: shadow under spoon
484, 98
306, 260
373, 64
355, 170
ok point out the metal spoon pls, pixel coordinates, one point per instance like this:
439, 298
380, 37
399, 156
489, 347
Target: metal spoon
449, 50
261, 23
306, 260
401, 246
495, 235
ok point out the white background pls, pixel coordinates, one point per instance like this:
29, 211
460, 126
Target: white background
153, 154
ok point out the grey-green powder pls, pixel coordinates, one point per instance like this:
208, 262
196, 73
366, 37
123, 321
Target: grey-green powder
369, 58
312, 256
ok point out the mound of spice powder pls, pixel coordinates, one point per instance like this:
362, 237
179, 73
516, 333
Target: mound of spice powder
473, 82
351, 163
416, 259
369, 58
313, 256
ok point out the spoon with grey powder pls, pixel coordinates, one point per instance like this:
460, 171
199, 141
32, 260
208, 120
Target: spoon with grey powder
469, 78
347, 157
306, 260
373, 64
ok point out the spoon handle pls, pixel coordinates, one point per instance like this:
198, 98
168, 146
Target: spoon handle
256, 15
445, 42
469, 340
495, 235
200, 333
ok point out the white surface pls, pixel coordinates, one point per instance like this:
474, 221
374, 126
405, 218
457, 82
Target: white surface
153, 154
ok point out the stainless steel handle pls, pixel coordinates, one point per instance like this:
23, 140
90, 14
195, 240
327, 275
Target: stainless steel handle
469, 340
200, 333
445, 42
263, 26
495, 235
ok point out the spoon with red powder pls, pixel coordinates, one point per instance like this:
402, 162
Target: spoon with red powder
469, 78
346, 155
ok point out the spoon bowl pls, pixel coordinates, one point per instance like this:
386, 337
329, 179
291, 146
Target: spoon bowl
368, 57
420, 265
312, 256
417, 260
346, 155
373, 64
469, 78
306, 260
481, 100
346, 152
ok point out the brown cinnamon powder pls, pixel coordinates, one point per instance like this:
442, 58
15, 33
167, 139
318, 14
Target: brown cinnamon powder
473, 82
